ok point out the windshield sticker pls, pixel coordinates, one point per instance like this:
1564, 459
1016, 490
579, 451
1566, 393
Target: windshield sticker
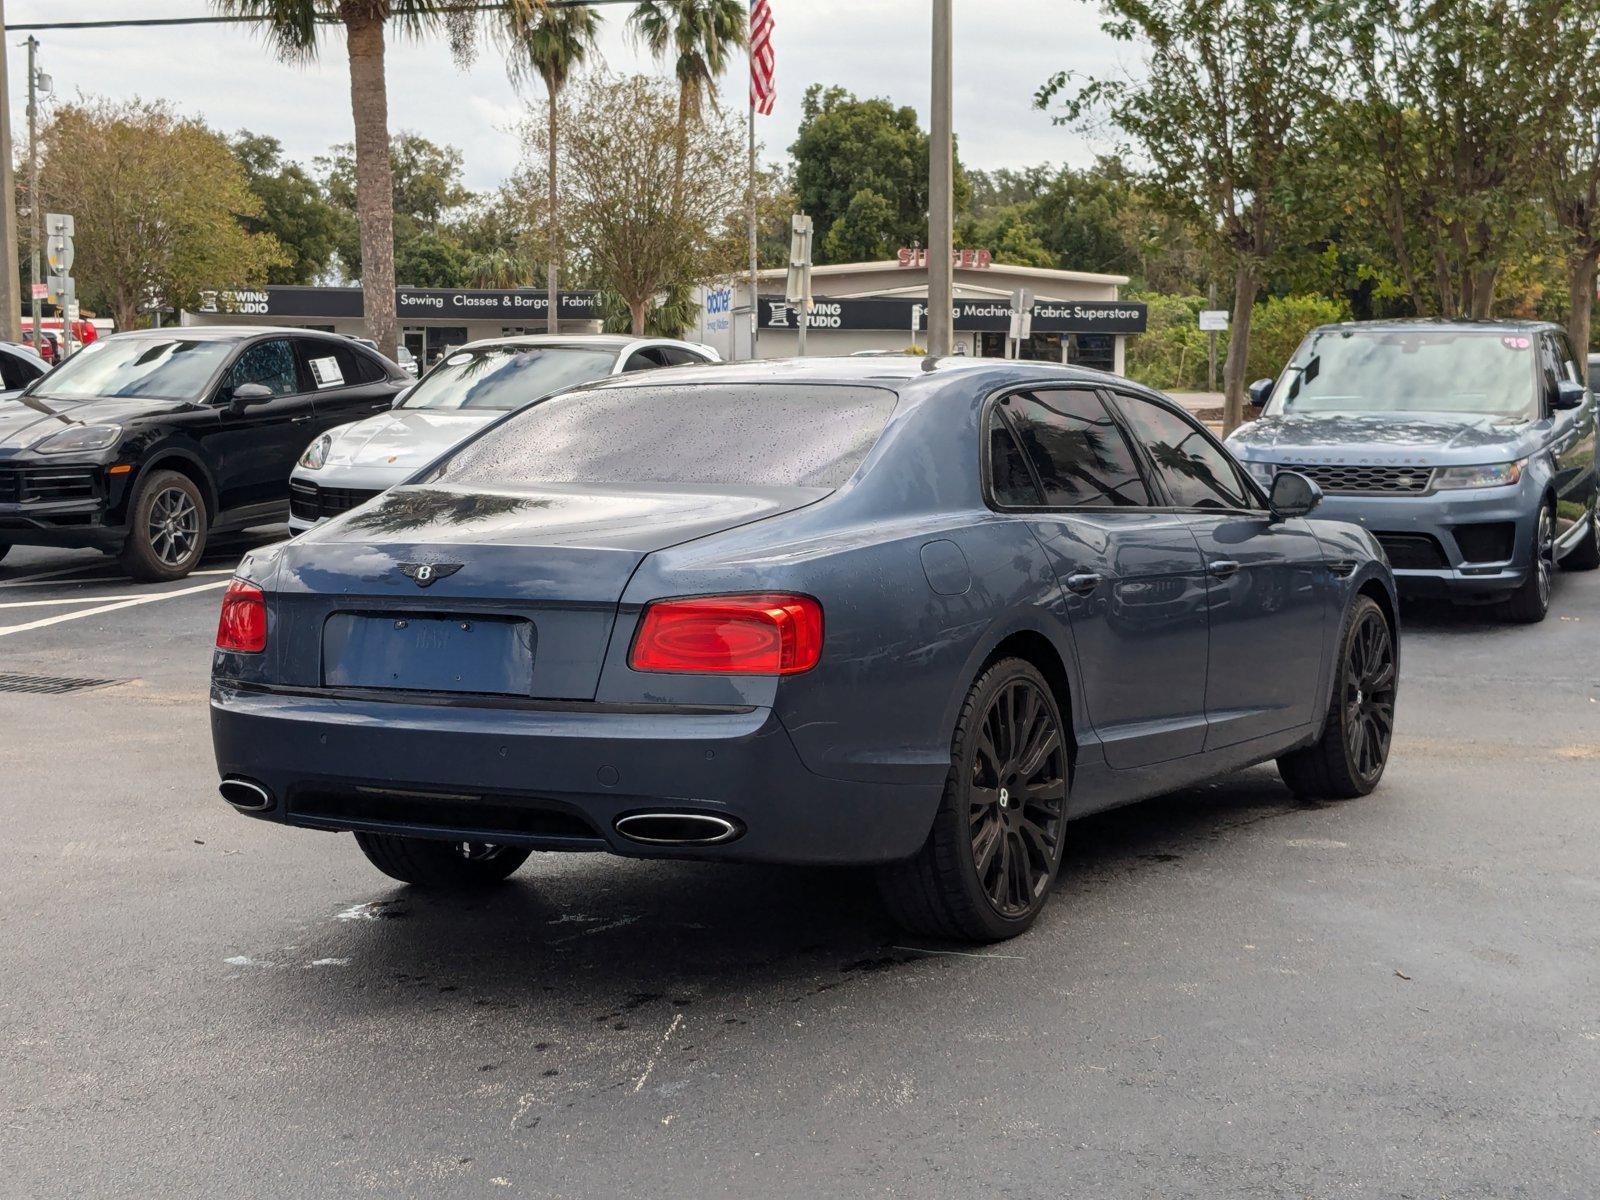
1516, 343
326, 372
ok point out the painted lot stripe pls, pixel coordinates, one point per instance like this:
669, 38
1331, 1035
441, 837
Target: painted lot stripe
98, 565
75, 600
30, 581
105, 608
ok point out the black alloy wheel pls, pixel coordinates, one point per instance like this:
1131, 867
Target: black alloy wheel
1017, 798
167, 528
1348, 759
1369, 687
994, 848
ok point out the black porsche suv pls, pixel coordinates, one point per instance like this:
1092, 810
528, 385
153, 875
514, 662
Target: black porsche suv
145, 443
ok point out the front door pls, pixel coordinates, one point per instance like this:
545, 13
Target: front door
1266, 582
1572, 439
257, 443
1132, 576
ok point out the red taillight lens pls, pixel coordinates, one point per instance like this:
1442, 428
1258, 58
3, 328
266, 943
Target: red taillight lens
243, 625
762, 634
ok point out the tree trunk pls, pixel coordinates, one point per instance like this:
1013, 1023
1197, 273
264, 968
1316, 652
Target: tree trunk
640, 311
1233, 371
1580, 301
552, 284
369, 105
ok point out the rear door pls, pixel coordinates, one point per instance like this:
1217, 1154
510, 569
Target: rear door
1131, 573
256, 445
348, 384
1265, 581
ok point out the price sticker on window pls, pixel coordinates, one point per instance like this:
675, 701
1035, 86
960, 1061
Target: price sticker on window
326, 372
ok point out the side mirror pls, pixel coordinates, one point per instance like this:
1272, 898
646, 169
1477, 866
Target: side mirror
1293, 495
1569, 395
1259, 393
247, 394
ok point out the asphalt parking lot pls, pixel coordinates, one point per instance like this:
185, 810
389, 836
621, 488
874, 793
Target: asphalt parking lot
1233, 994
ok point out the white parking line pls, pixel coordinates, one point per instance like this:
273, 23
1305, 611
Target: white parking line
32, 581
73, 600
105, 608
98, 565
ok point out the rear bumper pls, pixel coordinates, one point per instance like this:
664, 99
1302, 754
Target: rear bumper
1464, 544
554, 777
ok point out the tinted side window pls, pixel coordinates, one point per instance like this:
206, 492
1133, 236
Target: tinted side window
1196, 472
643, 360
1009, 480
676, 356
270, 364
1569, 361
1077, 449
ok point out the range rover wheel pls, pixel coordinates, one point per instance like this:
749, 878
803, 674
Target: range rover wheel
1348, 760
1530, 603
166, 528
450, 865
1585, 556
993, 852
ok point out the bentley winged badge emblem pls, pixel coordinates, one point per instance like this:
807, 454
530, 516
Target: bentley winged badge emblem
425, 573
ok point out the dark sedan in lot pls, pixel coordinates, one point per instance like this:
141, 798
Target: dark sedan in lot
1467, 447
143, 444
908, 613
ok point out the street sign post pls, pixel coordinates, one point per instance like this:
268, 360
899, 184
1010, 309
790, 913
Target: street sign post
798, 286
1212, 322
60, 229
1021, 321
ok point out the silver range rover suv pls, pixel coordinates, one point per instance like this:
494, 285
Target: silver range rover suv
1466, 447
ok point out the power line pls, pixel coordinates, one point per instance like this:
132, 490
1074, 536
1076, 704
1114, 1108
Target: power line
230, 19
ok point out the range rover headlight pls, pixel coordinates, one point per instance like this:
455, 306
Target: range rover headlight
317, 453
1489, 475
80, 438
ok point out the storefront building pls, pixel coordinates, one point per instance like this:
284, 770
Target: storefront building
431, 319
1078, 317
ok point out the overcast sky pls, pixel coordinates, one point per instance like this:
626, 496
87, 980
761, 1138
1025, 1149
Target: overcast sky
1004, 50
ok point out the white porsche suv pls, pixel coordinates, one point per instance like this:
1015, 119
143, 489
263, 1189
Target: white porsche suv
466, 390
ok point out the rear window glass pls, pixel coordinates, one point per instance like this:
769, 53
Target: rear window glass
739, 435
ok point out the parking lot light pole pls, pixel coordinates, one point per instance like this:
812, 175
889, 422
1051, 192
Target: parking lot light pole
10, 302
35, 213
941, 198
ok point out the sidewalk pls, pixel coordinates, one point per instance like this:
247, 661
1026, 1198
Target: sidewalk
1206, 406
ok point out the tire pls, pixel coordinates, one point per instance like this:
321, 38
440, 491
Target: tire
1530, 603
1349, 758
1009, 738
453, 866
1585, 556
167, 528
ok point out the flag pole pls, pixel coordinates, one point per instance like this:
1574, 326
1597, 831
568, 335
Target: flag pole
750, 206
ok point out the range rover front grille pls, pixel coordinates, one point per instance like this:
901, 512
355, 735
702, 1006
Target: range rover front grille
46, 485
1338, 479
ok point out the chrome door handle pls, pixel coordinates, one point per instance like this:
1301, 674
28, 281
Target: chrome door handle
1083, 583
298, 420
1222, 568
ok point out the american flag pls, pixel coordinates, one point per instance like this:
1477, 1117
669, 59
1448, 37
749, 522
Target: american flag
763, 91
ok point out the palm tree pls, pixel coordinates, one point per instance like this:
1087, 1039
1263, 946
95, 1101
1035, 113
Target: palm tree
499, 268
697, 36
550, 43
292, 27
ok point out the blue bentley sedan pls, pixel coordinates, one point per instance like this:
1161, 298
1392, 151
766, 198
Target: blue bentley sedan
911, 613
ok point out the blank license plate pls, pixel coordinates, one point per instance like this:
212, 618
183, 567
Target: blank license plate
428, 654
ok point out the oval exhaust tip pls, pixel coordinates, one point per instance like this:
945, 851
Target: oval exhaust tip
677, 829
245, 794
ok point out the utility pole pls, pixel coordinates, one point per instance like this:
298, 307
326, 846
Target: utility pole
941, 197
35, 213
10, 302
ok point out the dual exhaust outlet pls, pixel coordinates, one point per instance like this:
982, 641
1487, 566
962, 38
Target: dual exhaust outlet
646, 828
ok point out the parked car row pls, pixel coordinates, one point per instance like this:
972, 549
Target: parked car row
145, 444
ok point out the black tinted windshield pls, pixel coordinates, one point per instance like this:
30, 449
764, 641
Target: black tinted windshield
1481, 372
147, 368
735, 435
507, 377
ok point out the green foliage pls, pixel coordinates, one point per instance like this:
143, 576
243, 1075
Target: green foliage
161, 203
1171, 353
846, 146
1278, 326
862, 232
293, 209
696, 37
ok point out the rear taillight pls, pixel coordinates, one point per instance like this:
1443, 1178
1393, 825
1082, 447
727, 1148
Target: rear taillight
764, 634
242, 628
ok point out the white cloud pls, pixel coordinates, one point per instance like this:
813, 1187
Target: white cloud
1004, 50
